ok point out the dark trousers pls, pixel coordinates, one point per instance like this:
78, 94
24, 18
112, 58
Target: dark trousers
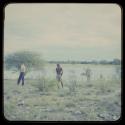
21, 77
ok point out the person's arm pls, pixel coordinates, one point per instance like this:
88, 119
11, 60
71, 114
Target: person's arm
61, 71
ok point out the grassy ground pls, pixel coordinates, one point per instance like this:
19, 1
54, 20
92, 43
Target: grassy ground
97, 100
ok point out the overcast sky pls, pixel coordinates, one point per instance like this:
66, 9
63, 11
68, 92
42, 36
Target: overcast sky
64, 31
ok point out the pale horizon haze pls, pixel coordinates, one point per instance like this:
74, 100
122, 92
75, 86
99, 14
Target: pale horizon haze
64, 31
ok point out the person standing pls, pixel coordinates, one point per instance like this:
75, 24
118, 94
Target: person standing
59, 73
22, 74
88, 74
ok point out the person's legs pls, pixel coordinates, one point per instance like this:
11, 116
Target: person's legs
19, 78
22, 78
58, 84
60, 79
61, 82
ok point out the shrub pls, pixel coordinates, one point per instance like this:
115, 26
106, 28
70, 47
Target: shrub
45, 84
41, 84
72, 82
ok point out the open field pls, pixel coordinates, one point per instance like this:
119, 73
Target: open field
79, 100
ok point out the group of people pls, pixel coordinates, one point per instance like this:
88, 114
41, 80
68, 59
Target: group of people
59, 73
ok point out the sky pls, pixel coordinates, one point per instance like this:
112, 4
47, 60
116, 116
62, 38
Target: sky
64, 31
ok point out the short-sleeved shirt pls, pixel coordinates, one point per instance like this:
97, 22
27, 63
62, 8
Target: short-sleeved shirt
23, 68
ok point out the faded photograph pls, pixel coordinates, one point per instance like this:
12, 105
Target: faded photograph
62, 62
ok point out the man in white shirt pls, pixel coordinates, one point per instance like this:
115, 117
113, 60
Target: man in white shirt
22, 74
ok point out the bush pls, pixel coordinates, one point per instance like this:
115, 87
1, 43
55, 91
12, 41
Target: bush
72, 82
45, 84
72, 87
41, 84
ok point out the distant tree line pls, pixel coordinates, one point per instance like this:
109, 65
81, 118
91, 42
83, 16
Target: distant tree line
104, 62
35, 60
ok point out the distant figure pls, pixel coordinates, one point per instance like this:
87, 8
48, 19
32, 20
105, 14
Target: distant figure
101, 76
22, 74
88, 74
59, 72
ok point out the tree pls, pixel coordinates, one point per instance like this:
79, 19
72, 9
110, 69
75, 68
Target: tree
103, 62
30, 59
116, 61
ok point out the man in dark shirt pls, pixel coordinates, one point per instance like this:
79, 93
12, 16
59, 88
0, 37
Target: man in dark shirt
59, 72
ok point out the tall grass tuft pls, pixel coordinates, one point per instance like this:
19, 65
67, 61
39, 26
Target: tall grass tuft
72, 82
